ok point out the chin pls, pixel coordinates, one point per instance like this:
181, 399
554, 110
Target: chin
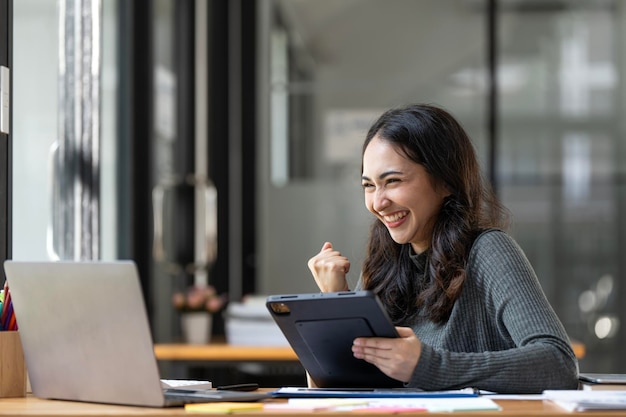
399, 241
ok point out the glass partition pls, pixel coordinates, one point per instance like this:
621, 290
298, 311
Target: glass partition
561, 145
327, 70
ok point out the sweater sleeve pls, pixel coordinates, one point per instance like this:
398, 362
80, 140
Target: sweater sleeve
503, 335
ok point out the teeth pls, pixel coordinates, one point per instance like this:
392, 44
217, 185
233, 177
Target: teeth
395, 217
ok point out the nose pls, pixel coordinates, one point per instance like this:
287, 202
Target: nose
380, 200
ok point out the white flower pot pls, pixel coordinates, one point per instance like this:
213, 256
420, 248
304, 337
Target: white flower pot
196, 327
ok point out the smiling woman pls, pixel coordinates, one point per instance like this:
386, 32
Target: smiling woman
469, 308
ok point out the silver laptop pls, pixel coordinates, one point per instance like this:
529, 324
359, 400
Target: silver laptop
86, 336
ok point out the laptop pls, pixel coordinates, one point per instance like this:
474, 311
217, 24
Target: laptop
86, 337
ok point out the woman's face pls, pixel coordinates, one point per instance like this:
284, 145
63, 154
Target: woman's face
401, 194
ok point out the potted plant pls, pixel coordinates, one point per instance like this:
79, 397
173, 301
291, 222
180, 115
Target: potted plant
197, 304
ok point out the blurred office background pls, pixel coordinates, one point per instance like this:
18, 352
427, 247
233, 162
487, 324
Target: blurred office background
267, 102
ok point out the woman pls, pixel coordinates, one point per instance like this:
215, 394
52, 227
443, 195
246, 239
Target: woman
469, 308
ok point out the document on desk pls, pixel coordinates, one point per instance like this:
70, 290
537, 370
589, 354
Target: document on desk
579, 400
300, 392
386, 405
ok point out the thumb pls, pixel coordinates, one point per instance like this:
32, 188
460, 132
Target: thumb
327, 246
405, 331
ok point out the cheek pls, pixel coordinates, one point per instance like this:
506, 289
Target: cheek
369, 202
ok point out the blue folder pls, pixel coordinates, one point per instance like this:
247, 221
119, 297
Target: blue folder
300, 392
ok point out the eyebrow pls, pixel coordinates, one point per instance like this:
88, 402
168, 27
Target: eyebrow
382, 176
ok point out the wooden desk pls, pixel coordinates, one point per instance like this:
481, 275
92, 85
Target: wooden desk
224, 353
31, 406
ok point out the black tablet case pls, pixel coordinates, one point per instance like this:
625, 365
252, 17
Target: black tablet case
321, 328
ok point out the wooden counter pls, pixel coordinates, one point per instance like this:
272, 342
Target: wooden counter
229, 353
223, 352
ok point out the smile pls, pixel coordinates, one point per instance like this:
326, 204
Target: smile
393, 218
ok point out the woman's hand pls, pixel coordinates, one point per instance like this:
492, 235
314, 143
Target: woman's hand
329, 268
395, 357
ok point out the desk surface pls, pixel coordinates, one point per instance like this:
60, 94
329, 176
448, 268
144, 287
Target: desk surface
31, 406
225, 352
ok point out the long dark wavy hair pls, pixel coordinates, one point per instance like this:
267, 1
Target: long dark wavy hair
431, 137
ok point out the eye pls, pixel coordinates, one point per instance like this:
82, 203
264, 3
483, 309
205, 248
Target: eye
367, 185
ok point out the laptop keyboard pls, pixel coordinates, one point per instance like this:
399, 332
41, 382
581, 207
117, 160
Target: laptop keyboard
190, 396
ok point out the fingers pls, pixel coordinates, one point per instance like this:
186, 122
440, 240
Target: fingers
329, 262
330, 259
329, 268
372, 347
396, 357
385, 342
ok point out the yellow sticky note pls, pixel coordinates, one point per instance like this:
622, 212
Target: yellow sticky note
222, 407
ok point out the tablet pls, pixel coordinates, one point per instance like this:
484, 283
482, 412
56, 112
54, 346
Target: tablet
320, 328
601, 378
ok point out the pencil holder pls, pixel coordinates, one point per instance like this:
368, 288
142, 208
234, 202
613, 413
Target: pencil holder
12, 365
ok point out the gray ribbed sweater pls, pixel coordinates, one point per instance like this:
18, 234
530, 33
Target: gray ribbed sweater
502, 334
